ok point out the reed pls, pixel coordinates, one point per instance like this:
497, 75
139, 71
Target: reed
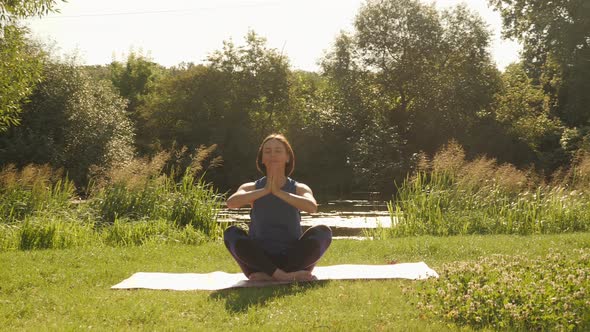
33, 189
190, 202
133, 204
141, 191
481, 197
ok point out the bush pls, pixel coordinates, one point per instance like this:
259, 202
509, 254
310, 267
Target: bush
189, 202
512, 292
72, 122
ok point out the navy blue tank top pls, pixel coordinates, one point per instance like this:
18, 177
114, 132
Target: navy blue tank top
274, 223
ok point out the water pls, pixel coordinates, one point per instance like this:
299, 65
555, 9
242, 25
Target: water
345, 217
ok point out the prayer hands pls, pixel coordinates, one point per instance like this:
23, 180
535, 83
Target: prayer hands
273, 180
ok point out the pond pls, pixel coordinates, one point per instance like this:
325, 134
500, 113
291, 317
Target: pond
345, 217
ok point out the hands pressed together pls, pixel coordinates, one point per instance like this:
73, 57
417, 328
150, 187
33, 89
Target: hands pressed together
273, 180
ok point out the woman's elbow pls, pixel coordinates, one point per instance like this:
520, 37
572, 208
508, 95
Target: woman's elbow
313, 208
231, 204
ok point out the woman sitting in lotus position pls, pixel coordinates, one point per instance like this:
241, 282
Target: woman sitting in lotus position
275, 248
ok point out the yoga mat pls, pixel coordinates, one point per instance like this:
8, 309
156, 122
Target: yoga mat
221, 280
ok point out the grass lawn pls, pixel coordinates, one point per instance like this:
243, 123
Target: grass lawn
69, 289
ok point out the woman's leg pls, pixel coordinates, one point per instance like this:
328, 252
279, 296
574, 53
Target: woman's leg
247, 253
308, 250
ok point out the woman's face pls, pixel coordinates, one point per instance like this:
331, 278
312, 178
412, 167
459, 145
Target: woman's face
274, 154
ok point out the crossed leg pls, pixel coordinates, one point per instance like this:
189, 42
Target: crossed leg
296, 265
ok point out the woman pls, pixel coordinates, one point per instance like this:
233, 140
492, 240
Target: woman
275, 248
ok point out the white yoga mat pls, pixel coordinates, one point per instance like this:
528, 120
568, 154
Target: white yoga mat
221, 280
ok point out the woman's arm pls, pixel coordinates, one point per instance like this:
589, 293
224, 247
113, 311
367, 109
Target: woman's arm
302, 199
246, 195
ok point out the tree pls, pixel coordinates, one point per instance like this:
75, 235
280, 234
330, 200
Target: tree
240, 96
19, 61
185, 107
13, 10
315, 134
71, 122
556, 50
349, 113
560, 28
409, 78
261, 78
523, 108
135, 79
20, 69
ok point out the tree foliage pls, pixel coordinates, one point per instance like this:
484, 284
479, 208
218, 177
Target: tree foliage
19, 61
241, 95
135, 79
72, 122
260, 81
560, 28
556, 41
408, 79
524, 109
13, 10
20, 69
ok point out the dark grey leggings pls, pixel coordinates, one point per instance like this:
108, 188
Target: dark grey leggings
251, 258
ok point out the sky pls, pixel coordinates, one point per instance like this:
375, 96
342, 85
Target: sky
174, 31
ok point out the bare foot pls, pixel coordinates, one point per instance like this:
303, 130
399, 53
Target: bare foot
260, 276
302, 275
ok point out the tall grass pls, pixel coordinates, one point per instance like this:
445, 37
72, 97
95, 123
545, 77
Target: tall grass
132, 204
52, 232
451, 196
137, 192
32, 189
131, 233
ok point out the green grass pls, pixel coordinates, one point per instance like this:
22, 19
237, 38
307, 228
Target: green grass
68, 289
443, 204
61, 232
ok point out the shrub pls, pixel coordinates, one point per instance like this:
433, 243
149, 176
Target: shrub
72, 122
512, 292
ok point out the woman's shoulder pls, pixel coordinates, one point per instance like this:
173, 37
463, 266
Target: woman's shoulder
252, 185
260, 183
248, 186
257, 184
300, 186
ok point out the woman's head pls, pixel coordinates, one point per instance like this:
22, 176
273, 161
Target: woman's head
275, 148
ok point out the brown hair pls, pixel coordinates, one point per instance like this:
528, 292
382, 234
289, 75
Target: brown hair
279, 137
